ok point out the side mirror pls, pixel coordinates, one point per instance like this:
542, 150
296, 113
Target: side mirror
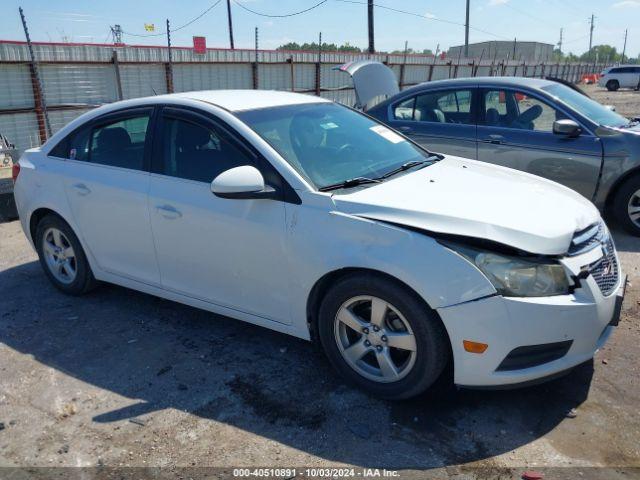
241, 183
567, 127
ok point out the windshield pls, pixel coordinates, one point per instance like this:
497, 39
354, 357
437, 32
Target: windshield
586, 107
327, 143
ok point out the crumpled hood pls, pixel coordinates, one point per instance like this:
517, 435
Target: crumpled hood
475, 199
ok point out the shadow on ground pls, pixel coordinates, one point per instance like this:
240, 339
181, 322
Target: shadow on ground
173, 356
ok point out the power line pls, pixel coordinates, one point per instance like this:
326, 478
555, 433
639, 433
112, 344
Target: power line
414, 14
177, 28
575, 39
292, 14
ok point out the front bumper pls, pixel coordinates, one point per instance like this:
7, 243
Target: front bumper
586, 318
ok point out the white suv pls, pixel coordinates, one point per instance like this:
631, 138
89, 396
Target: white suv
304, 216
623, 76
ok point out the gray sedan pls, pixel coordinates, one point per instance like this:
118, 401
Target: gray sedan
539, 126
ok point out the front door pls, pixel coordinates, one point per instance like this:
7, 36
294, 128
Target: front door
106, 181
442, 121
515, 130
229, 252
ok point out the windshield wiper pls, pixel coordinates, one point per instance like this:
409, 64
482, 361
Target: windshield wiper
352, 182
408, 165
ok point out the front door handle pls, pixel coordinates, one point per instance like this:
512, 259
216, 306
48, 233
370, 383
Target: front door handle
81, 189
405, 129
169, 212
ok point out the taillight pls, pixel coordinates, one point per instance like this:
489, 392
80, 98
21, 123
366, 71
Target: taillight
15, 171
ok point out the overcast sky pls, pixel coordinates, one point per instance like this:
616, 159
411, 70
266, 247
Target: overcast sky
339, 20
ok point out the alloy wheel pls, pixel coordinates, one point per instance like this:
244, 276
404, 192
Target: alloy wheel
59, 255
633, 209
375, 339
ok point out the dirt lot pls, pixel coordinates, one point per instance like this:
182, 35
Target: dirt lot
626, 101
119, 378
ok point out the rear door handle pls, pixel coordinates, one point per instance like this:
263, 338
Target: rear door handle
495, 139
81, 189
169, 212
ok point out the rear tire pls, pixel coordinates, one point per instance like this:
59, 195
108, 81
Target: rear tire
613, 85
62, 257
382, 362
626, 205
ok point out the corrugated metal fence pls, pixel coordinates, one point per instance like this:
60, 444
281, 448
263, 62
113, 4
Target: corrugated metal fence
78, 77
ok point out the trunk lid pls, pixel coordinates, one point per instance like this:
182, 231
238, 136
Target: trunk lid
373, 82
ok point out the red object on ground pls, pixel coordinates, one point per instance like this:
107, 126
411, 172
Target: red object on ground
532, 475
590, 78
199, 45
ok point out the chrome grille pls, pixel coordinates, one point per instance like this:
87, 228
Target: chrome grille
605, 270
587, 239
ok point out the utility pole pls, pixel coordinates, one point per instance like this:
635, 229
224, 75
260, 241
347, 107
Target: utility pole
515, 43
372, 48
230, 24
624, 49
44, 126
560, 43
591, 34
169, 68
466, 32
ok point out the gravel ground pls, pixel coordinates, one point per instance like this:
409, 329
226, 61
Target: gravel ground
120, 378
626, 101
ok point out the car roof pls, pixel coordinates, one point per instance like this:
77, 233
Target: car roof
238, 100
473, 81
533, 83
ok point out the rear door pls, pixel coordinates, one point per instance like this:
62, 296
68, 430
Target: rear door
515, 129
442, 121
106, 181
626, 76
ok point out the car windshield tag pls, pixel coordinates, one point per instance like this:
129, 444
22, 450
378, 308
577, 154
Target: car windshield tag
387, 134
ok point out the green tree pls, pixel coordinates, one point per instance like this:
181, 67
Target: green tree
313, 46
601, 53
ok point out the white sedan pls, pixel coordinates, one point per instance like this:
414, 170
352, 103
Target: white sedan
304, 216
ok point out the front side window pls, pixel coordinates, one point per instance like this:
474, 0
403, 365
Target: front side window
513, 109
197, 152
585, 106
327, 143
120, 143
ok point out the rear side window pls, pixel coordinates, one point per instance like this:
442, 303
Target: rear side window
194, 151
452, 106
74, 147
404, 109
120, 143
444, 107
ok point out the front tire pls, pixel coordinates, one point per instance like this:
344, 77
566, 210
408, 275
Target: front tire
613, 85
62, 257
382, 337
626, 205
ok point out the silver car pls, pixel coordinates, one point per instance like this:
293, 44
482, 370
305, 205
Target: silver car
538, 126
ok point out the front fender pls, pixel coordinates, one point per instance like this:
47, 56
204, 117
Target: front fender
338, 241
